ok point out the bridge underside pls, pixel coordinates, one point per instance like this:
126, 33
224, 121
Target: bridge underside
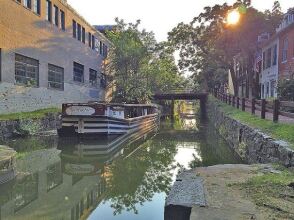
184, 96
181, 96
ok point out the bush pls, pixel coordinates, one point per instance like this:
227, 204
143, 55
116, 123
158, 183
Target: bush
286, 90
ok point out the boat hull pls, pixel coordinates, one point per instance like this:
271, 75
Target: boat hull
89, 125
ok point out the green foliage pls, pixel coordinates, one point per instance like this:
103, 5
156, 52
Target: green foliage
29, 115
271, 191
139, 64
208, 45
286, 90
276, 130
28, 127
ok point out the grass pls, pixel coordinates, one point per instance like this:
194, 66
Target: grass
28, 115
271, 191
280, 131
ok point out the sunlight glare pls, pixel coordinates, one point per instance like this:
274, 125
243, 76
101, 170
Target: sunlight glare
233, 17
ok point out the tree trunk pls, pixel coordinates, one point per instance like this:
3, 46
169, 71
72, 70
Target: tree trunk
234, 80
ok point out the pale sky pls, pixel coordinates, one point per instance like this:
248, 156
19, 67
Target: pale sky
159, 16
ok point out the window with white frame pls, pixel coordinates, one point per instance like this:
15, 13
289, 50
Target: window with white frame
55, 18
62, 20
285, 50
37, 7
55, 77
268, 57
27, 4
26, 70
275, 54
97, 45
48, 10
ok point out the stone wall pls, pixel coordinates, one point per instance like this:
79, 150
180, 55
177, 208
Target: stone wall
250, 144
21, 127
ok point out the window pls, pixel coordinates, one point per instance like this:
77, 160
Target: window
268, 57
97, 45
103, 80
26, 70
78, 73
105, 50
90, 39
56, 16
74, 28
62, 20
48, 10
37, 7
27, 3
285, 50
263, 60
93, 42
83, 35
93, 77
55, 77
79, 32
272, 88
101, 47
275, 52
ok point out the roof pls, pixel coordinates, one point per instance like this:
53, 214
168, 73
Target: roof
104, 28
276, 35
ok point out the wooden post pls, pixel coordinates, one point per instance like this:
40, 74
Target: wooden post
276, 108
253, 106
243, 105
233, 101
238, 102
263, 103
229, 99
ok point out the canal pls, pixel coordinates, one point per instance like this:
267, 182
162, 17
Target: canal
68, 179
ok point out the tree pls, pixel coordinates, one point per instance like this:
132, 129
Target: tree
208, 45
139, 64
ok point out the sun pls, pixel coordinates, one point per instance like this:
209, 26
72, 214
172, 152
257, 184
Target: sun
233, 17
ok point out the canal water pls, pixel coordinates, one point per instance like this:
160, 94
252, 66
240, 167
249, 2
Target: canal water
68, 179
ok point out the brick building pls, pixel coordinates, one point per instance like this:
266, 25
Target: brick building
49, 54
278, 57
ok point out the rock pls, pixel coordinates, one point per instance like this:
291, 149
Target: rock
187, 191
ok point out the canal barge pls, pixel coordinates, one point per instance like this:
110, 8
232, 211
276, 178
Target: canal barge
106, 118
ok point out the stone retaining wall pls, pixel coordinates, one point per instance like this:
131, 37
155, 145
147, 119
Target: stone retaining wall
251, 144
21, 127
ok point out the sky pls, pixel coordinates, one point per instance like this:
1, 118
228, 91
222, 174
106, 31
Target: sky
159, 16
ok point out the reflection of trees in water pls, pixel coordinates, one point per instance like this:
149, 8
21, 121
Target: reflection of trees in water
136, 179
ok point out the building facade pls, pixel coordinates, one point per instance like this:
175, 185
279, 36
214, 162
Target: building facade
278, 57
49, 55
269, 73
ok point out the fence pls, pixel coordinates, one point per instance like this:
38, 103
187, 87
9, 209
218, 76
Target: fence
276, 107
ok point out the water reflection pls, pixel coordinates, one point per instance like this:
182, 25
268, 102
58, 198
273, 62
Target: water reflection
121, 178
